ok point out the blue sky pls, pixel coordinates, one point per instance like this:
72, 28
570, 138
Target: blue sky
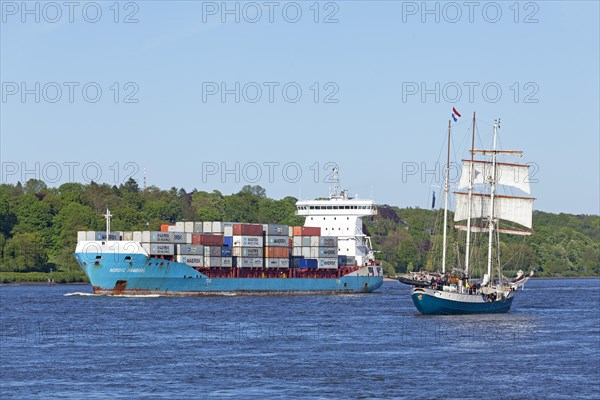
378, 81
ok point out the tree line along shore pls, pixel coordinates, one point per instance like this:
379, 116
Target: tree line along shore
39, 224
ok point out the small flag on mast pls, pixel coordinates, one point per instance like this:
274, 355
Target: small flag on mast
455, 114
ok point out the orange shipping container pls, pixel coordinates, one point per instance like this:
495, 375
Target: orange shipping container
164, 228
277, 252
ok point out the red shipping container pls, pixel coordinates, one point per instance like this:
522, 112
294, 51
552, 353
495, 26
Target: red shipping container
277, 252
207, 239
164, 228
306, 231
247, 230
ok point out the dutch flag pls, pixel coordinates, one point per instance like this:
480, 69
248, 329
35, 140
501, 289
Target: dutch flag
455, 114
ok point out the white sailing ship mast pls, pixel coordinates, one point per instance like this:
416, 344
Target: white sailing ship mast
491, 206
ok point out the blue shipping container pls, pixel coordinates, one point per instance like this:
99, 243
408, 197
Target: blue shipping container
308, 263
228, 241
226, 251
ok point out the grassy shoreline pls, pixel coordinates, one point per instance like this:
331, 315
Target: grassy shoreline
42, 277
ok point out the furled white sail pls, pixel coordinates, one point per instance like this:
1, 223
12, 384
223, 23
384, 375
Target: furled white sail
509, 231
510, 208
514, 175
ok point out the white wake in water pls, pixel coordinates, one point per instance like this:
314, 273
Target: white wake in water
79, 294
113, 295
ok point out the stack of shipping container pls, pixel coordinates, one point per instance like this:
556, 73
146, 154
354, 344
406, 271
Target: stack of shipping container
227, 244
311, 250
247, 246
276, 246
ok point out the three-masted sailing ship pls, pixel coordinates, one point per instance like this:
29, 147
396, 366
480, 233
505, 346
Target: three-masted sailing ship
479, 209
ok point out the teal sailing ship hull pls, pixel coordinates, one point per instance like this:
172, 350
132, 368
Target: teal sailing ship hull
434, 302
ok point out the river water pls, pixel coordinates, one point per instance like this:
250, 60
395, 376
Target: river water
61, 342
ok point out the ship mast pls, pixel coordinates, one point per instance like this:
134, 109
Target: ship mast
446, 187
108, 216
492, 194
336, 182
470, 196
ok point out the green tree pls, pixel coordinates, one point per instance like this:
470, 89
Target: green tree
26, 252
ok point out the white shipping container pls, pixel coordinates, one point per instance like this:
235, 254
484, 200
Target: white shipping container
297, 241
161, 237
305, 241
128, 236
217, 227
245, 262
314, 241
90, 235
328, 241
172, 228
227, 262
247, 252
284, 263
159, 249
212, 261
191, 260
146, 237
297, 251
314, 252
181, 237
188, 227
276, 241
305, 252
328, 263
227, 228
328, 252
248, 241
101, 235
190, 249
272, 262
81, 236
257, 262
137, 236
179, 226
207, 227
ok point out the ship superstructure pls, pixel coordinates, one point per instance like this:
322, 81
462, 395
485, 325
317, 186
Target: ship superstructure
341, 216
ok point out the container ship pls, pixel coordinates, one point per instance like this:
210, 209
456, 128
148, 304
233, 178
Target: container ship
329, 254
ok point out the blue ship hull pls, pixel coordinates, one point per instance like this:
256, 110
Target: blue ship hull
432, 305
142, 275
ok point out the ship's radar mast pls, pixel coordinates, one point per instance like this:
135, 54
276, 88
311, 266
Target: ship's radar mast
108, 216
336, 182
